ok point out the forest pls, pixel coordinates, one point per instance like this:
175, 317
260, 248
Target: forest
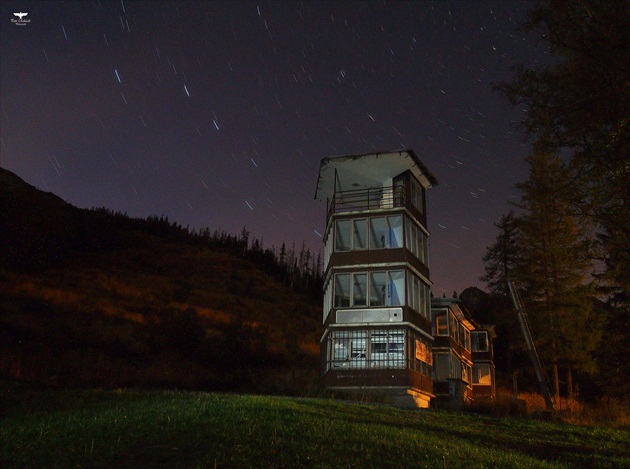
566, 241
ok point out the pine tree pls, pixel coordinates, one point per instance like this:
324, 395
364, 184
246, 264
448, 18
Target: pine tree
553, 267
579, 103
501, 257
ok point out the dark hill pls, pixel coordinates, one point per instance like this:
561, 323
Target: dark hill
92, 298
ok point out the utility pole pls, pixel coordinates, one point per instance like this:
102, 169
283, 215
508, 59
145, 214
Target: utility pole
533, 354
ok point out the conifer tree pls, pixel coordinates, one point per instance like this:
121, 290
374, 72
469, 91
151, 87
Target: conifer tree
553, 268
579, 103
501, 257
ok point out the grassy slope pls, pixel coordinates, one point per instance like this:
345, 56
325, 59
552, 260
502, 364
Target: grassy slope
176, 429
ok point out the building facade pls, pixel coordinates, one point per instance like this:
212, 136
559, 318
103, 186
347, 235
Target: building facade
377, 301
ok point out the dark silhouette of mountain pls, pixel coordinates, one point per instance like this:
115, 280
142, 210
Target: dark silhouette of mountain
95, 298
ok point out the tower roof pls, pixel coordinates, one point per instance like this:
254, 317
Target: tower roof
369, 170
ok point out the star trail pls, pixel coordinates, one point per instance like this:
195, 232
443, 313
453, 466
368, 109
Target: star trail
216, 114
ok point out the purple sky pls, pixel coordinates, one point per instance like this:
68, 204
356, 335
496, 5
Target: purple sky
217, 113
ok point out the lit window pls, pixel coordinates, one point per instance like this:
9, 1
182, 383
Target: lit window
378, 288
394, 232
396, 293
482, 375
361, 349
386, 232
378, 233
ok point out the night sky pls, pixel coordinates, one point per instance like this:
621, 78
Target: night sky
217, 114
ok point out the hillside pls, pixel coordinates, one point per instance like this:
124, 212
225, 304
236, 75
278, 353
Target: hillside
91, 298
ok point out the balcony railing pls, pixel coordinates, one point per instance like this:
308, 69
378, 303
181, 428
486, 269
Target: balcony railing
373, 198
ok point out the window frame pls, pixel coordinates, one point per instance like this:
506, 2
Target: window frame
388, 284
475, 341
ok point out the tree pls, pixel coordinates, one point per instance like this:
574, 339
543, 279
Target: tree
553, 268
580, 102
501, 257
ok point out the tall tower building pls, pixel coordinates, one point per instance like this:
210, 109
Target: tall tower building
377, 301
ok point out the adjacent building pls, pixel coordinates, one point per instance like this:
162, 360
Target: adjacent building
462, 355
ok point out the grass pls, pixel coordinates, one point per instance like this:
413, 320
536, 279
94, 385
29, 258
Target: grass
183, 429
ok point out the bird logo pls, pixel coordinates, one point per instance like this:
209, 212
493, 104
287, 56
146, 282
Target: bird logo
20, 15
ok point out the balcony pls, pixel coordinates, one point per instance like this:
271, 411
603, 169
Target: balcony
373, 198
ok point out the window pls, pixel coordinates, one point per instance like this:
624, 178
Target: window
462, 334
327, 301
417, 241
422, 356
386, 232
360, 290
396, 288
479, 341
466, 373
342, 290
378, 233
442, 366
482, 375
360, 234
441, 326
385, 288
361, 349
417, 195
343, 240
383, 233
452, 325
456, 367
378, 288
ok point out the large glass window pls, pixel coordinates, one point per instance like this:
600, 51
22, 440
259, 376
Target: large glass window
378, 288
396, 290
342, 290
386, 232
372, 233
343, 235
417, 241
360, 349
378, 233
385, 288
360, 290
360, 234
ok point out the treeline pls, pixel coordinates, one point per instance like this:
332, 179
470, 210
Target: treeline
39, 230
301, 270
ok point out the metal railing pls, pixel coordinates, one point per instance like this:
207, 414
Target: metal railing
373, 198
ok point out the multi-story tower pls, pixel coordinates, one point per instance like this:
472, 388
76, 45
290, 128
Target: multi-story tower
377, 303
